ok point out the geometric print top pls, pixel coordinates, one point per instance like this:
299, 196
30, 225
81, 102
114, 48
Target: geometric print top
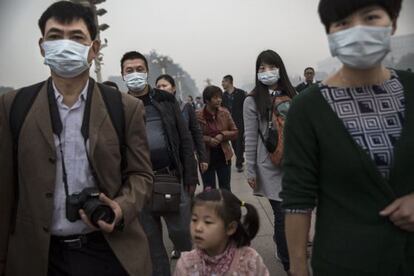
373, 115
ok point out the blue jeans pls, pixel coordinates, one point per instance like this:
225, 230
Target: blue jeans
178, 226
279, 235
223, 174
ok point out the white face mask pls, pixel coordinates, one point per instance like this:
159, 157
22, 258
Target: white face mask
66, 58
269, 77
136, 81
361, 47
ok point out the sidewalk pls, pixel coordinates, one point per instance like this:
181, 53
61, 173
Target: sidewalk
263, 242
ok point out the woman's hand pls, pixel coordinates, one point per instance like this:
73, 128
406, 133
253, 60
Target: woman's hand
219, 137
214, 142
401, 212
252, 182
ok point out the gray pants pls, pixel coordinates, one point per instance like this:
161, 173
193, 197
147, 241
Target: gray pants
178, 226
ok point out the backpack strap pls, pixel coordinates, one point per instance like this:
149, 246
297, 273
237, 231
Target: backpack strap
21, 105
114, 105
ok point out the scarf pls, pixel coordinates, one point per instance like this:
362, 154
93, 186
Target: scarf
217, 265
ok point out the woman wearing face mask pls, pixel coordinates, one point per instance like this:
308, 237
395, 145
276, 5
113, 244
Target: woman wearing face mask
349, 151
167, 83
263, 176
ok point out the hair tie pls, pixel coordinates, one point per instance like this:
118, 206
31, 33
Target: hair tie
243, 204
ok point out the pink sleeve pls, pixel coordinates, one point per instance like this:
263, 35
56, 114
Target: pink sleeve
261, 269
180, 268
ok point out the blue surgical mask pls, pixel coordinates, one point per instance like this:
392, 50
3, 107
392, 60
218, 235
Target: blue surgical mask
136, 81
361, 47
269, 77
66, 58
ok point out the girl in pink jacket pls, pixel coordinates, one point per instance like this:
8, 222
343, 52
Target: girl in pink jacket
221, 238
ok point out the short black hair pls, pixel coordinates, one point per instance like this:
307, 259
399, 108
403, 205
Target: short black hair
112, 84
210, 92
228, 208
229, 78
331, 11
167, 78
133, 55
309, 68
66, 12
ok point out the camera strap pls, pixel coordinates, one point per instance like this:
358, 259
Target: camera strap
57, 127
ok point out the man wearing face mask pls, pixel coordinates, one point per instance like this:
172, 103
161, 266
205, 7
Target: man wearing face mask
69, 194
171, 154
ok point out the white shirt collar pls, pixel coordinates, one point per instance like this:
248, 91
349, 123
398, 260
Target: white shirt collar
83, 95
274, 92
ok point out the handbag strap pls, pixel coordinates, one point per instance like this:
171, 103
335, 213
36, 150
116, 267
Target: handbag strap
269, 121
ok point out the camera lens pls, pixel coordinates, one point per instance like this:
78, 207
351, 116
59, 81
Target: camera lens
96, 210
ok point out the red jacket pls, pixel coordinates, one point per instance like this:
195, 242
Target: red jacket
225, 125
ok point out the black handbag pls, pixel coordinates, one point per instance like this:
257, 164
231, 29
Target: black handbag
166, 193
272, 134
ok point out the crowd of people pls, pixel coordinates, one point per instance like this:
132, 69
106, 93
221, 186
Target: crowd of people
88, 173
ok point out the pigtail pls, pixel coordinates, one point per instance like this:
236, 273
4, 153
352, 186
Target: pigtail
248, 227
251, 221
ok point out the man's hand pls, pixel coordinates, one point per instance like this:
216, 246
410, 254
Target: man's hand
401, 212
252, 182
203, 167
106, 227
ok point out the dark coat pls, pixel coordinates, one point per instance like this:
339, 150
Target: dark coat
26, 251
178, 135
190, 116
324, 164
236, 109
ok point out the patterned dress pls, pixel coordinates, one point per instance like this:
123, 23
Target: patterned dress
373, 116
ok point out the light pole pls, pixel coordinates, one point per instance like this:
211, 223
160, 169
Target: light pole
162, 61
178, 77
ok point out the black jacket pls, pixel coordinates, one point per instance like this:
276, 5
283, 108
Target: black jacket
236, 109
195, 130
303, 85
179, 137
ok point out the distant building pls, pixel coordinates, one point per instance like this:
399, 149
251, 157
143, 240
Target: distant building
4, 89
401, 46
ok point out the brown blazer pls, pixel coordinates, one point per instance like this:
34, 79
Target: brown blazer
226, 126
25, 252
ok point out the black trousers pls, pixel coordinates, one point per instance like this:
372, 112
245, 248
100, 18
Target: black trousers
89, 256
279, 234
238, 147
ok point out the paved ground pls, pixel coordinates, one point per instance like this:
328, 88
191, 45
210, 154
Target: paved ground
263, 242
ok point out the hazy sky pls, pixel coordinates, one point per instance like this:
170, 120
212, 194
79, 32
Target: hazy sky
209, 38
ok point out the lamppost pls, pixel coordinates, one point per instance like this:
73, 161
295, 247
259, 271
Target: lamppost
178, 77
162, 61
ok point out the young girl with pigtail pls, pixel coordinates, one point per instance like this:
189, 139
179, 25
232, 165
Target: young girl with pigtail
221, 238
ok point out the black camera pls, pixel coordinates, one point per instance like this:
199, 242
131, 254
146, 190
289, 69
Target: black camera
88, 200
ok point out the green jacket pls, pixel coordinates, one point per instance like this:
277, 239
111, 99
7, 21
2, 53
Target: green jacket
324, 167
